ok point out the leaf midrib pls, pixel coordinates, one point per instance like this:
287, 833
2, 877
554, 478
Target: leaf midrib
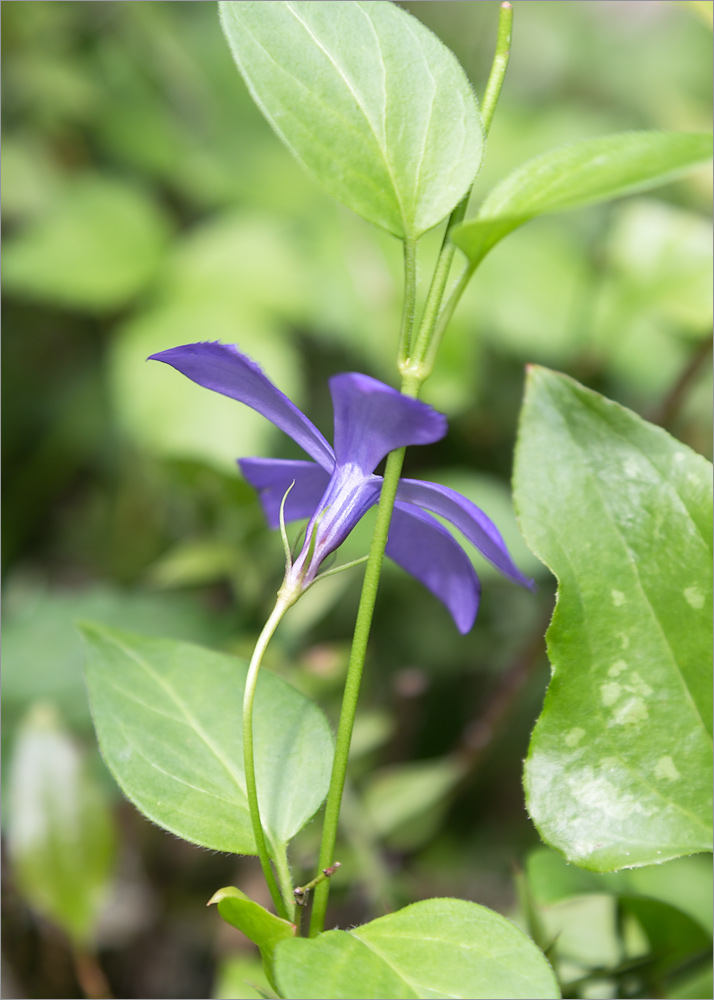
380, 141
190, 720
316, 137
623, 541
655, 791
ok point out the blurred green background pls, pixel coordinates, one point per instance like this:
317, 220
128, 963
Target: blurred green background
147, 204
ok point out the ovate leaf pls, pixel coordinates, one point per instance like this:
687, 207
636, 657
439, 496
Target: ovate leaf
435, 948
619, 769
367, 99
580, 174
168, 718
60, 835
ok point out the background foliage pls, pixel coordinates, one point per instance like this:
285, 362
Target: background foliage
146, 203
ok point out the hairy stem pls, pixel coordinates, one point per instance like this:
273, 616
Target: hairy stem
282, 869
282, 907
409, 307
499, 66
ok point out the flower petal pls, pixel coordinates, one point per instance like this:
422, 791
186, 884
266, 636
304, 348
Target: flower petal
468, 518
426, 550
371, 419
224, 369
272, 478
348, 497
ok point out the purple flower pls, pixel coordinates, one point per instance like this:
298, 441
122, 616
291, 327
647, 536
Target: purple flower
336, 489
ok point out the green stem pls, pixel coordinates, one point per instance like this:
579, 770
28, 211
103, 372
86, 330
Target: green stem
282, 869
409, 307
352, 685
411, 359
443, 320
411, 366
281, 907
499, 66
420, 362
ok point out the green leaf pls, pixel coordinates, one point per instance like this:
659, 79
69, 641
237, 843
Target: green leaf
95, 248
168, 718
368, 100
262, 927
619, 768
435, 948
60, 835
580, 174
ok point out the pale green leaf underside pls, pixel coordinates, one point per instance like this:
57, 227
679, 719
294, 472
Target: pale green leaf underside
619, 768
168, 718
580, 174
368, 100
435, 948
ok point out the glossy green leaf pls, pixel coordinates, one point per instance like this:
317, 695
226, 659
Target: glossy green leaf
95, 248
168, 718
619, 768
60, 835
435, 948
580, 174
262, 927
367, 99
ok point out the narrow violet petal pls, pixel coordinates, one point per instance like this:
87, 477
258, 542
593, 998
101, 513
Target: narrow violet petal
372, 419
468, 518
426, 550
224, 369
272, 477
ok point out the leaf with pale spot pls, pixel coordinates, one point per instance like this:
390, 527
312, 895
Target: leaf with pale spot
619, 768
